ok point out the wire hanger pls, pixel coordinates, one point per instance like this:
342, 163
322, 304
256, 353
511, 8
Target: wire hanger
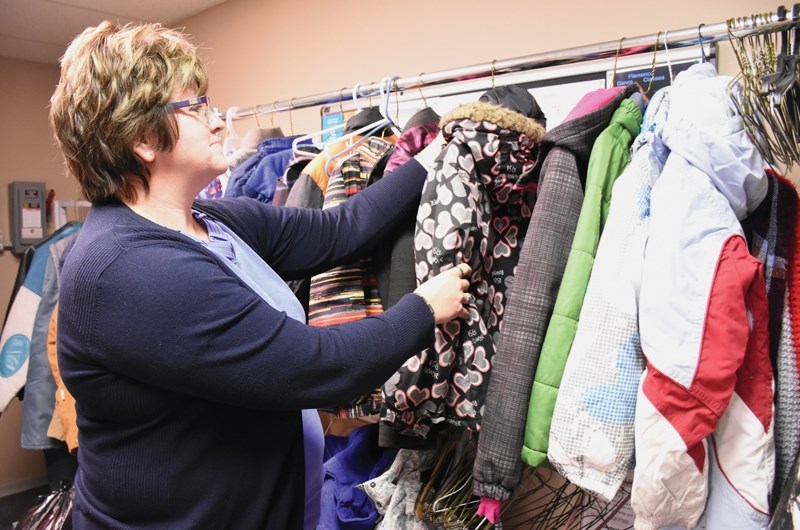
616, 58
419, 87
291, 122
765, 91
396, 103
669, 63
653, 65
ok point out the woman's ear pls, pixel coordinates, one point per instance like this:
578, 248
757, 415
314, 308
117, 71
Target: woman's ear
145, 150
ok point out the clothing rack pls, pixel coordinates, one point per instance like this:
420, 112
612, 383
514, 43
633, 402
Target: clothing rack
703, 34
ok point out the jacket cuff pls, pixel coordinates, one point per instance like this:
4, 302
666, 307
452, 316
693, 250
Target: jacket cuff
493, 491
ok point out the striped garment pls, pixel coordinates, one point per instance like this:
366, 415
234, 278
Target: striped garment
350, 292
770, 233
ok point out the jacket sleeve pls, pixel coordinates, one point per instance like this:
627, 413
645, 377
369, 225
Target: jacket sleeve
300, 242
498, 466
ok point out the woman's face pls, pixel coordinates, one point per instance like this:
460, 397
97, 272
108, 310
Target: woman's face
197, 152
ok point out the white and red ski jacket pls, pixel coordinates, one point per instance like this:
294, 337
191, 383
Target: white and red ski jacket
703, 422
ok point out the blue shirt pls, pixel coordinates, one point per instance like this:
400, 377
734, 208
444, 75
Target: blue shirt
266, 282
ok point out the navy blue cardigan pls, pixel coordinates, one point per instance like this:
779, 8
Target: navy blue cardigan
189, 386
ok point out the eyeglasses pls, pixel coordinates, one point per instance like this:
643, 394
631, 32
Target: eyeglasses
200, 106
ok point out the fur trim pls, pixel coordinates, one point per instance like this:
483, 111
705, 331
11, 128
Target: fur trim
500, 116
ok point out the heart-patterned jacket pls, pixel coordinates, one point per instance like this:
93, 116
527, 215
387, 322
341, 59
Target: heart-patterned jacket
470, 212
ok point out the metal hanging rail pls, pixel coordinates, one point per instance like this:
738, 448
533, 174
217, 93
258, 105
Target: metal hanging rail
680, 38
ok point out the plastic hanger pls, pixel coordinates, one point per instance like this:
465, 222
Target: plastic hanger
788, 70
669, 63
365, 132
232, 140
701, 40
371, 128
321, 134
786, 90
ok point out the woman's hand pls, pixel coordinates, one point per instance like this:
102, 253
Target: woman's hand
446, 293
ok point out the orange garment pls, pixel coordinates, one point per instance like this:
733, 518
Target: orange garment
64, 425
316, 168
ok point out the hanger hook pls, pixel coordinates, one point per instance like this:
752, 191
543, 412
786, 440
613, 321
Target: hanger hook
701, 40
419, 87
272, 115
341, 97
291, 122
653, 65
256, 113
385, 91
669, 63
493, 62
356, 94
396, 102
616, 58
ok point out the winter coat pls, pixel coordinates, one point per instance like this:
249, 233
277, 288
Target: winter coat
349, 292
40, 386
21, 325
470, 212
64, 425
258, 176
703, 425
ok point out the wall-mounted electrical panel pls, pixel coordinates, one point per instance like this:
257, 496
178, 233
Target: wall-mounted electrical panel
28, 216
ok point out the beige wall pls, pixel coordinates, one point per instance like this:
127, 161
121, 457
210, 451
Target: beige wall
28, 153
261, 52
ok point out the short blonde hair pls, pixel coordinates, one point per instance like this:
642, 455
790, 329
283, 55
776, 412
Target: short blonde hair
115, 86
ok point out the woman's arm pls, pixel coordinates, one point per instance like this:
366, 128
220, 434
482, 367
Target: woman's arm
312, 240
190, 326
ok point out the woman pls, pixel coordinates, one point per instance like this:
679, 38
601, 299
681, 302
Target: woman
188, 356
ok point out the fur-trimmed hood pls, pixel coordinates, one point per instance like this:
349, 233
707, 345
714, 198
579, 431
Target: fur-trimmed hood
497, 115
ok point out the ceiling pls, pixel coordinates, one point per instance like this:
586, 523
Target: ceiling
40, 30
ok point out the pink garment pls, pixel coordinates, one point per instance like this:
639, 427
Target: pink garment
490, 508
410, 143
592, 101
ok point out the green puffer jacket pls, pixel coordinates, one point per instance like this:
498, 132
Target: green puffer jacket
610, 155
